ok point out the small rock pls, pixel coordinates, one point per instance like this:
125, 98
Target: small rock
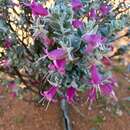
119, 112
108, 109
101, 112
73, 122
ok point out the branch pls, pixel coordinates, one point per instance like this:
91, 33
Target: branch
24, 82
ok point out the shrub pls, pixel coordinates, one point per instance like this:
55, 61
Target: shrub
61, 50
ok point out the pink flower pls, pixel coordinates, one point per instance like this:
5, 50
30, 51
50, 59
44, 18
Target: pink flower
13, 94
76, 4
106, 61
52, 67
104, 9
95, 76
5, 63
70, 93
7, 43
89, 48
106, 89
92, 14
47, 41
37, 9
112, 81
12, 85
50, 94
77, 23
93, 41
56, 54
60, 66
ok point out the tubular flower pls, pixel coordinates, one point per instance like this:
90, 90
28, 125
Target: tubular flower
5, 63
76, 4
95, 76
107, 90
60, 66
12, 84
77, 23
104, 9
92, 14
56, 54
37, 9
93, 41
70, 93
49, 95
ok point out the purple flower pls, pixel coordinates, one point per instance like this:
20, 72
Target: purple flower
5, 63
70, 93
89, 48
58, 65
7, 43
104, 9
93, 41
56, 54
92, 14
37, 9
95, 76
52, 67
77, 23
47, 41
13, 94
76, 5
50, 94
106, 89
14, 90
12, 85
113, 82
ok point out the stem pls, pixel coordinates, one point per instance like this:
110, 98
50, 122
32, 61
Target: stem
24, 82
24, 45
118, 38
65, 110
8, 21
11, 73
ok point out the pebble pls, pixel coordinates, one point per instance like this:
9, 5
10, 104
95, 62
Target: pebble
119, 112
101, 112
73, 122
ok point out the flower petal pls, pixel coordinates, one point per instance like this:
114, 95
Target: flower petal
76, 4
70, 93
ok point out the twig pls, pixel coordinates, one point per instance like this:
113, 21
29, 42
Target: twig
24, 82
